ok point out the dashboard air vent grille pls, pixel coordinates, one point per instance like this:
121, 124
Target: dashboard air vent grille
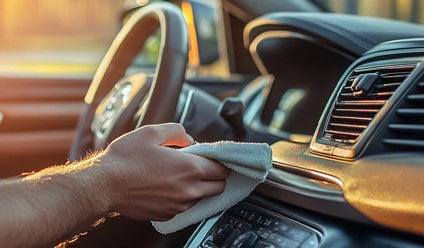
407, 130
364, 93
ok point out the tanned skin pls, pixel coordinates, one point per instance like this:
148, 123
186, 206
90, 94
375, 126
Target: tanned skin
138, 176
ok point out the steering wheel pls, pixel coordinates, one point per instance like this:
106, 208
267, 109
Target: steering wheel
116, 103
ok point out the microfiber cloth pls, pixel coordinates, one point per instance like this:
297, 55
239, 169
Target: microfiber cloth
250, 163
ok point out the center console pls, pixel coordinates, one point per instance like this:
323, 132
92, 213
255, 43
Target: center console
247, 225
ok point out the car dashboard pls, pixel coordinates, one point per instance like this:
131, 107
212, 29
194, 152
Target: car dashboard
346, 128
338, 97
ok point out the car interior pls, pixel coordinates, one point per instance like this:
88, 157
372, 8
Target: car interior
339, 97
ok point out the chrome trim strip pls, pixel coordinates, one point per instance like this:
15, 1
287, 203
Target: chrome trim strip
307, 183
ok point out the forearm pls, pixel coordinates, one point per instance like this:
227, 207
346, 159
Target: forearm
47, 207
136, 175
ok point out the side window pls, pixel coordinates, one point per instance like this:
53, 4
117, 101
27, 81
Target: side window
71, 36
44, 36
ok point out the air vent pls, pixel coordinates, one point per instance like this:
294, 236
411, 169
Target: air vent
364, 93
407, 131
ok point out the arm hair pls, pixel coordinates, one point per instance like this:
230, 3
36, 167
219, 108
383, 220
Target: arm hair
47, 207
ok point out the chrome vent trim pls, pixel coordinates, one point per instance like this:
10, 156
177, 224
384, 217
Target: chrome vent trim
365, 91
407, 131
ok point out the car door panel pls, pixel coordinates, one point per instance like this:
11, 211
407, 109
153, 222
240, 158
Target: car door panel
39, 117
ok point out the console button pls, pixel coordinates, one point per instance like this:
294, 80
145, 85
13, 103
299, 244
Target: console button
263, 233
209, 244
263, 244
298, 234
240, 225
281, 241
311, 242
220, 235
245, 240
280, 227
230, 239
244, 227
267, 222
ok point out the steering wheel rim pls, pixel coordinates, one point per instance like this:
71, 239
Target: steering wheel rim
161, 100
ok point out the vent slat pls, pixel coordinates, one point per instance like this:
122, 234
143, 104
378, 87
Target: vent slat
361, 99
421, 85
347, 95
352, 118
406, 67
352, 126
407, 127
411, 112
388, 86
360, 111
416, 98
371, 95
384, 93
361, 103
351, 134
405, 143
399, 75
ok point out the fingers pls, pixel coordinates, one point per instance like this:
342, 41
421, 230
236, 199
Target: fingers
169, 134
210, 169
202, 190
211, 188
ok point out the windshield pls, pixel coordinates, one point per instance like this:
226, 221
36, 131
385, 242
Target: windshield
405, 10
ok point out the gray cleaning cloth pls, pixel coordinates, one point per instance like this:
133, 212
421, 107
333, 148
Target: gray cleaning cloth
250, 163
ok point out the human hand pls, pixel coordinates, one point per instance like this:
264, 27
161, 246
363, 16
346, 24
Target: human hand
151, 181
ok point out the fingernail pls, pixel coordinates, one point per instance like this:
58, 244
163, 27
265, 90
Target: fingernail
191, 139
